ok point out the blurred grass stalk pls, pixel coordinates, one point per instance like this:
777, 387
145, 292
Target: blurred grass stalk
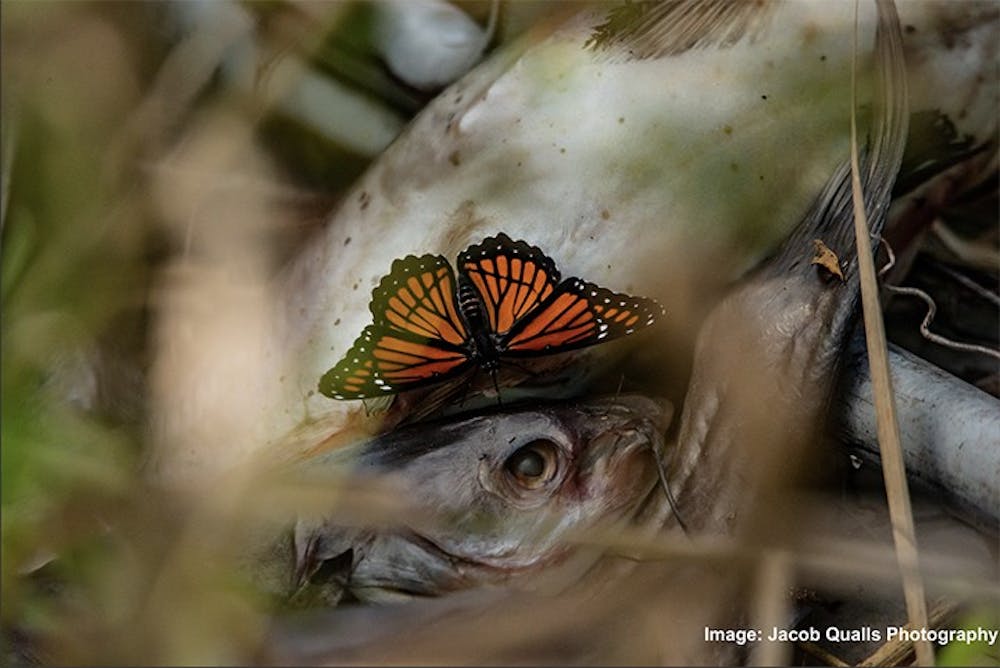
135, 189
70, 263
96, 566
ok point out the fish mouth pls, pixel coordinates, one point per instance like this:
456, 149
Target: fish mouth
453, 571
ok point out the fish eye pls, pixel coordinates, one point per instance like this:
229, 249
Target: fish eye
533, 464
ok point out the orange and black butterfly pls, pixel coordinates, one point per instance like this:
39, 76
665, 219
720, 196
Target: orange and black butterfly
507, 302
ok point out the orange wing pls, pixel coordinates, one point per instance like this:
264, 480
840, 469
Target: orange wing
512, 279
416, 338
418, 297
578, 314
382, 362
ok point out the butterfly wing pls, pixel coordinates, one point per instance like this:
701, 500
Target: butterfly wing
416, 337
512, 279
578, 314
383, 362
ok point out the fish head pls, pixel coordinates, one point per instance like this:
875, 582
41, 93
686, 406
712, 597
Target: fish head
542, 474
498, 495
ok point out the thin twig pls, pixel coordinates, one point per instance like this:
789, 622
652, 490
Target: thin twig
988, 295
895, 652
893, 469
925, 330
978, 255
825, 557
937, 338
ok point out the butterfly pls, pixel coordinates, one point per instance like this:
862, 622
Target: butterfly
507, 302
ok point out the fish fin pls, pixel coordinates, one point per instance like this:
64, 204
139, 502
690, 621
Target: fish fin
831, 216
650, 29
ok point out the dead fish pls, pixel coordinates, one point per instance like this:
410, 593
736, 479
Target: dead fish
768, 355
501, 493
949, 429
765, 369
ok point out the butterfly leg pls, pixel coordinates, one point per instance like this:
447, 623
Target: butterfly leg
468, 385
525, 370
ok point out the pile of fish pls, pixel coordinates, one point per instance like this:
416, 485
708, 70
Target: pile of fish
682, 151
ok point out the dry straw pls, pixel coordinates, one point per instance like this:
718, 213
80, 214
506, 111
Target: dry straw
885, 407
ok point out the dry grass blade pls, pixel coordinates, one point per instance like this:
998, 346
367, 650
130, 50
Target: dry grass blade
774, 578
824, 656
896, 652
885, 409
988, 295
971, 253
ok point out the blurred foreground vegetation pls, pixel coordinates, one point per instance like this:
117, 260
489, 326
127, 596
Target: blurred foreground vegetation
96, 565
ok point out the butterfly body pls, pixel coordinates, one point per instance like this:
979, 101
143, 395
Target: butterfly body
483, 347
506, 302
